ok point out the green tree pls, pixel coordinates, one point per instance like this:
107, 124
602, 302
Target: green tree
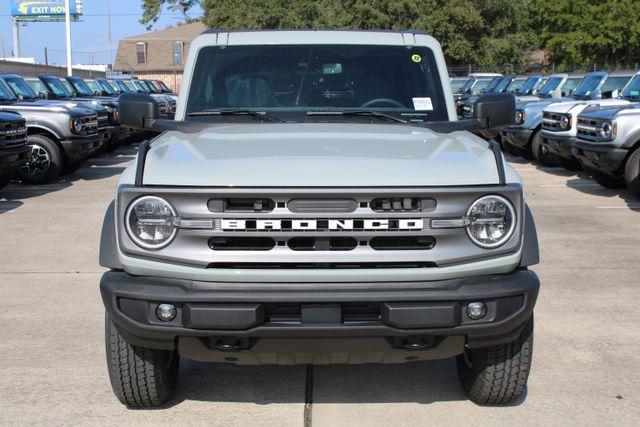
582, 32
151, 9
486, 32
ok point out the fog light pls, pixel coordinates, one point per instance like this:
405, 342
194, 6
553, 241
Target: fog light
166, 312
476, 310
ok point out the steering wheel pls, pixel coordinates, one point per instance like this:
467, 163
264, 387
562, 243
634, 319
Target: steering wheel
382, 100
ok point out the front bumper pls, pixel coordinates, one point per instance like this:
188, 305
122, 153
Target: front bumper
518, 137
605, 158
559, 146
254, 323
80, 147
13, 157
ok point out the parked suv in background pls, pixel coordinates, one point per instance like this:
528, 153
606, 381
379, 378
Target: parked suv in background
524, 137
61, 134
477, 84
559, 128
50, 87
318, 202
14, 151
608, 144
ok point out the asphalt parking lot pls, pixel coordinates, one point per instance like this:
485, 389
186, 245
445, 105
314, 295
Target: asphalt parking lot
587, 339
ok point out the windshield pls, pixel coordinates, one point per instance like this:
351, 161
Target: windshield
163, 86
152, 87
551, 85
140, 86
504, 83
57, 87
589, 83
528, 86
632, 89
494, 83
402, 80
124, 86
5, 93
80, 86
570, 85
93, 86
37, 86
67, 86
106, 87
515, 85
614, 83
20, 87
480, 87
457, 85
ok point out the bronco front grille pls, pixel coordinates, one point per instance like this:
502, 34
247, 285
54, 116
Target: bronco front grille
13, 133
319, 228
590, 129
551, 121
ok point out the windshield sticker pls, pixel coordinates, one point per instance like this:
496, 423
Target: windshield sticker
422, 104
416, 58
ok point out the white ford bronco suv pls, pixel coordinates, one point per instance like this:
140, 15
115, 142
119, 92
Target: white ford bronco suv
316, 200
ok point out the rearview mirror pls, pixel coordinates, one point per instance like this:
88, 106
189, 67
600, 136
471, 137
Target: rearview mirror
138, 110
494, 110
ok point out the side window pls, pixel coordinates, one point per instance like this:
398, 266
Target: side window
141, 53
178, 48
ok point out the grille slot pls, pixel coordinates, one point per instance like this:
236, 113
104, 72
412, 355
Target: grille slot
320, 265
403, 204
241, 205
399, 243
322, 205
322, 243
241, 243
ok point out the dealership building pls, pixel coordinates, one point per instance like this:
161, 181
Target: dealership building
158, 54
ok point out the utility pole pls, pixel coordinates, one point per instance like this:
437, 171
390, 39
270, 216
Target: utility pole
16, 38
4, 53
46, 57
67, 16
109, 20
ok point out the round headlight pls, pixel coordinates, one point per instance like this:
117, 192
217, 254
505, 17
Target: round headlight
519, 117
492, 221
606, 130
149, 222
565, 122
77, 125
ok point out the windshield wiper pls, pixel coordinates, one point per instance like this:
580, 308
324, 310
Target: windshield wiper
260, 115
369, 113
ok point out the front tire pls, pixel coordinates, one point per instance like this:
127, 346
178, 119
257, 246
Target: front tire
632, 173
45, 164
140, 377
497, 374
539, 151
606, 181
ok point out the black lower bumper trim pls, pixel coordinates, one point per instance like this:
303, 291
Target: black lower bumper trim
249, 311
607, 159
559, 146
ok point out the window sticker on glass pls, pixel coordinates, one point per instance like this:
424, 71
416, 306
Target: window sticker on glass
422, 104
416, 58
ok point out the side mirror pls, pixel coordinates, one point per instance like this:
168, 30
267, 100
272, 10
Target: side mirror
495, 110
41, 95
20, 97
96, 93
138, 110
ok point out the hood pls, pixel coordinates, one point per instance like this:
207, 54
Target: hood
70, 107
319, 155
606, 112
564, 107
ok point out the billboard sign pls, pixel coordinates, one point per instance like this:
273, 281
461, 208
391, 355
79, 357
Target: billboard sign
40, 10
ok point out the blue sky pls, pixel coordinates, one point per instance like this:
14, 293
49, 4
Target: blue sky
89, 35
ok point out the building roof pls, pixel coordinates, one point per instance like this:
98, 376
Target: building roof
184, 31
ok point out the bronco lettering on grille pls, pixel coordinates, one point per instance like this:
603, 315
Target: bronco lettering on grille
323, 224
